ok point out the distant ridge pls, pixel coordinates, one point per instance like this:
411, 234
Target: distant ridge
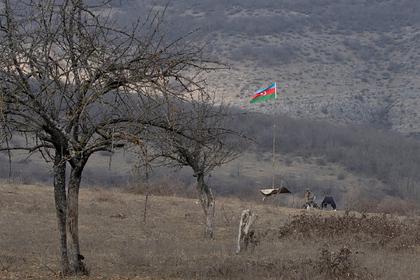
345, 61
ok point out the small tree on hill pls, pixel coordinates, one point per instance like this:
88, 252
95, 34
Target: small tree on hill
200, 140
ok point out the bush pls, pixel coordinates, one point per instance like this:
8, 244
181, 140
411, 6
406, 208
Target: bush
341, 176
341, 265
384, 231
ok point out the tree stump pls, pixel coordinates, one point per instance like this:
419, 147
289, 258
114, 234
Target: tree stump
245, 235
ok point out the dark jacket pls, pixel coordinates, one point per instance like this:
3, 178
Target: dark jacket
328, 200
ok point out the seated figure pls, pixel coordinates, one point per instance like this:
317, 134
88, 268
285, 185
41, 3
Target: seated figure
309, 200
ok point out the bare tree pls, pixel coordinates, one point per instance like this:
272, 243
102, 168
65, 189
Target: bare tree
78, 84
200, 140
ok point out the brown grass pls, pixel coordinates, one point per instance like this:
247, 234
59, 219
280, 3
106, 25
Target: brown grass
118, 245
380, 230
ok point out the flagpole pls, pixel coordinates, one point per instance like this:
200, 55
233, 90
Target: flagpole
261, 95
274, 135
274, 145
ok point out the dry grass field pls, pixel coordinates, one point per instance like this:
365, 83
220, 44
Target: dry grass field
117, 244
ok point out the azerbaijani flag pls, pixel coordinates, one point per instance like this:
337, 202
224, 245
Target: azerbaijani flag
264, 94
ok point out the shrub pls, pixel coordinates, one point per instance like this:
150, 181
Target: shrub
379, 228
341, 176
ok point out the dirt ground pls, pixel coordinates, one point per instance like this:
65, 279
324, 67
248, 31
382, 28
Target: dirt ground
117, 244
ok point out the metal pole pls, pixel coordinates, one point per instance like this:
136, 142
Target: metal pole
274, 150
274, 135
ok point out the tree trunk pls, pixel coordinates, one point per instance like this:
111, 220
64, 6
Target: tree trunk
76, 259
208, 203
245, 235
61, 207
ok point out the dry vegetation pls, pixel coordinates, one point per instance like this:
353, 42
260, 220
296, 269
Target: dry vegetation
341, 59
293, 244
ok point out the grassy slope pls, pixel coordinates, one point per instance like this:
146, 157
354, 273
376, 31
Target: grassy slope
118, 245
239, 178
341, 59
253, 171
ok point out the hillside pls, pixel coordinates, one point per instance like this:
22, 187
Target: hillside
362, 168
242, 178
104, 140
118, 245
344, 61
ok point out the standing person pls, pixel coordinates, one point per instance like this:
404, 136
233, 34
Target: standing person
309, 199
